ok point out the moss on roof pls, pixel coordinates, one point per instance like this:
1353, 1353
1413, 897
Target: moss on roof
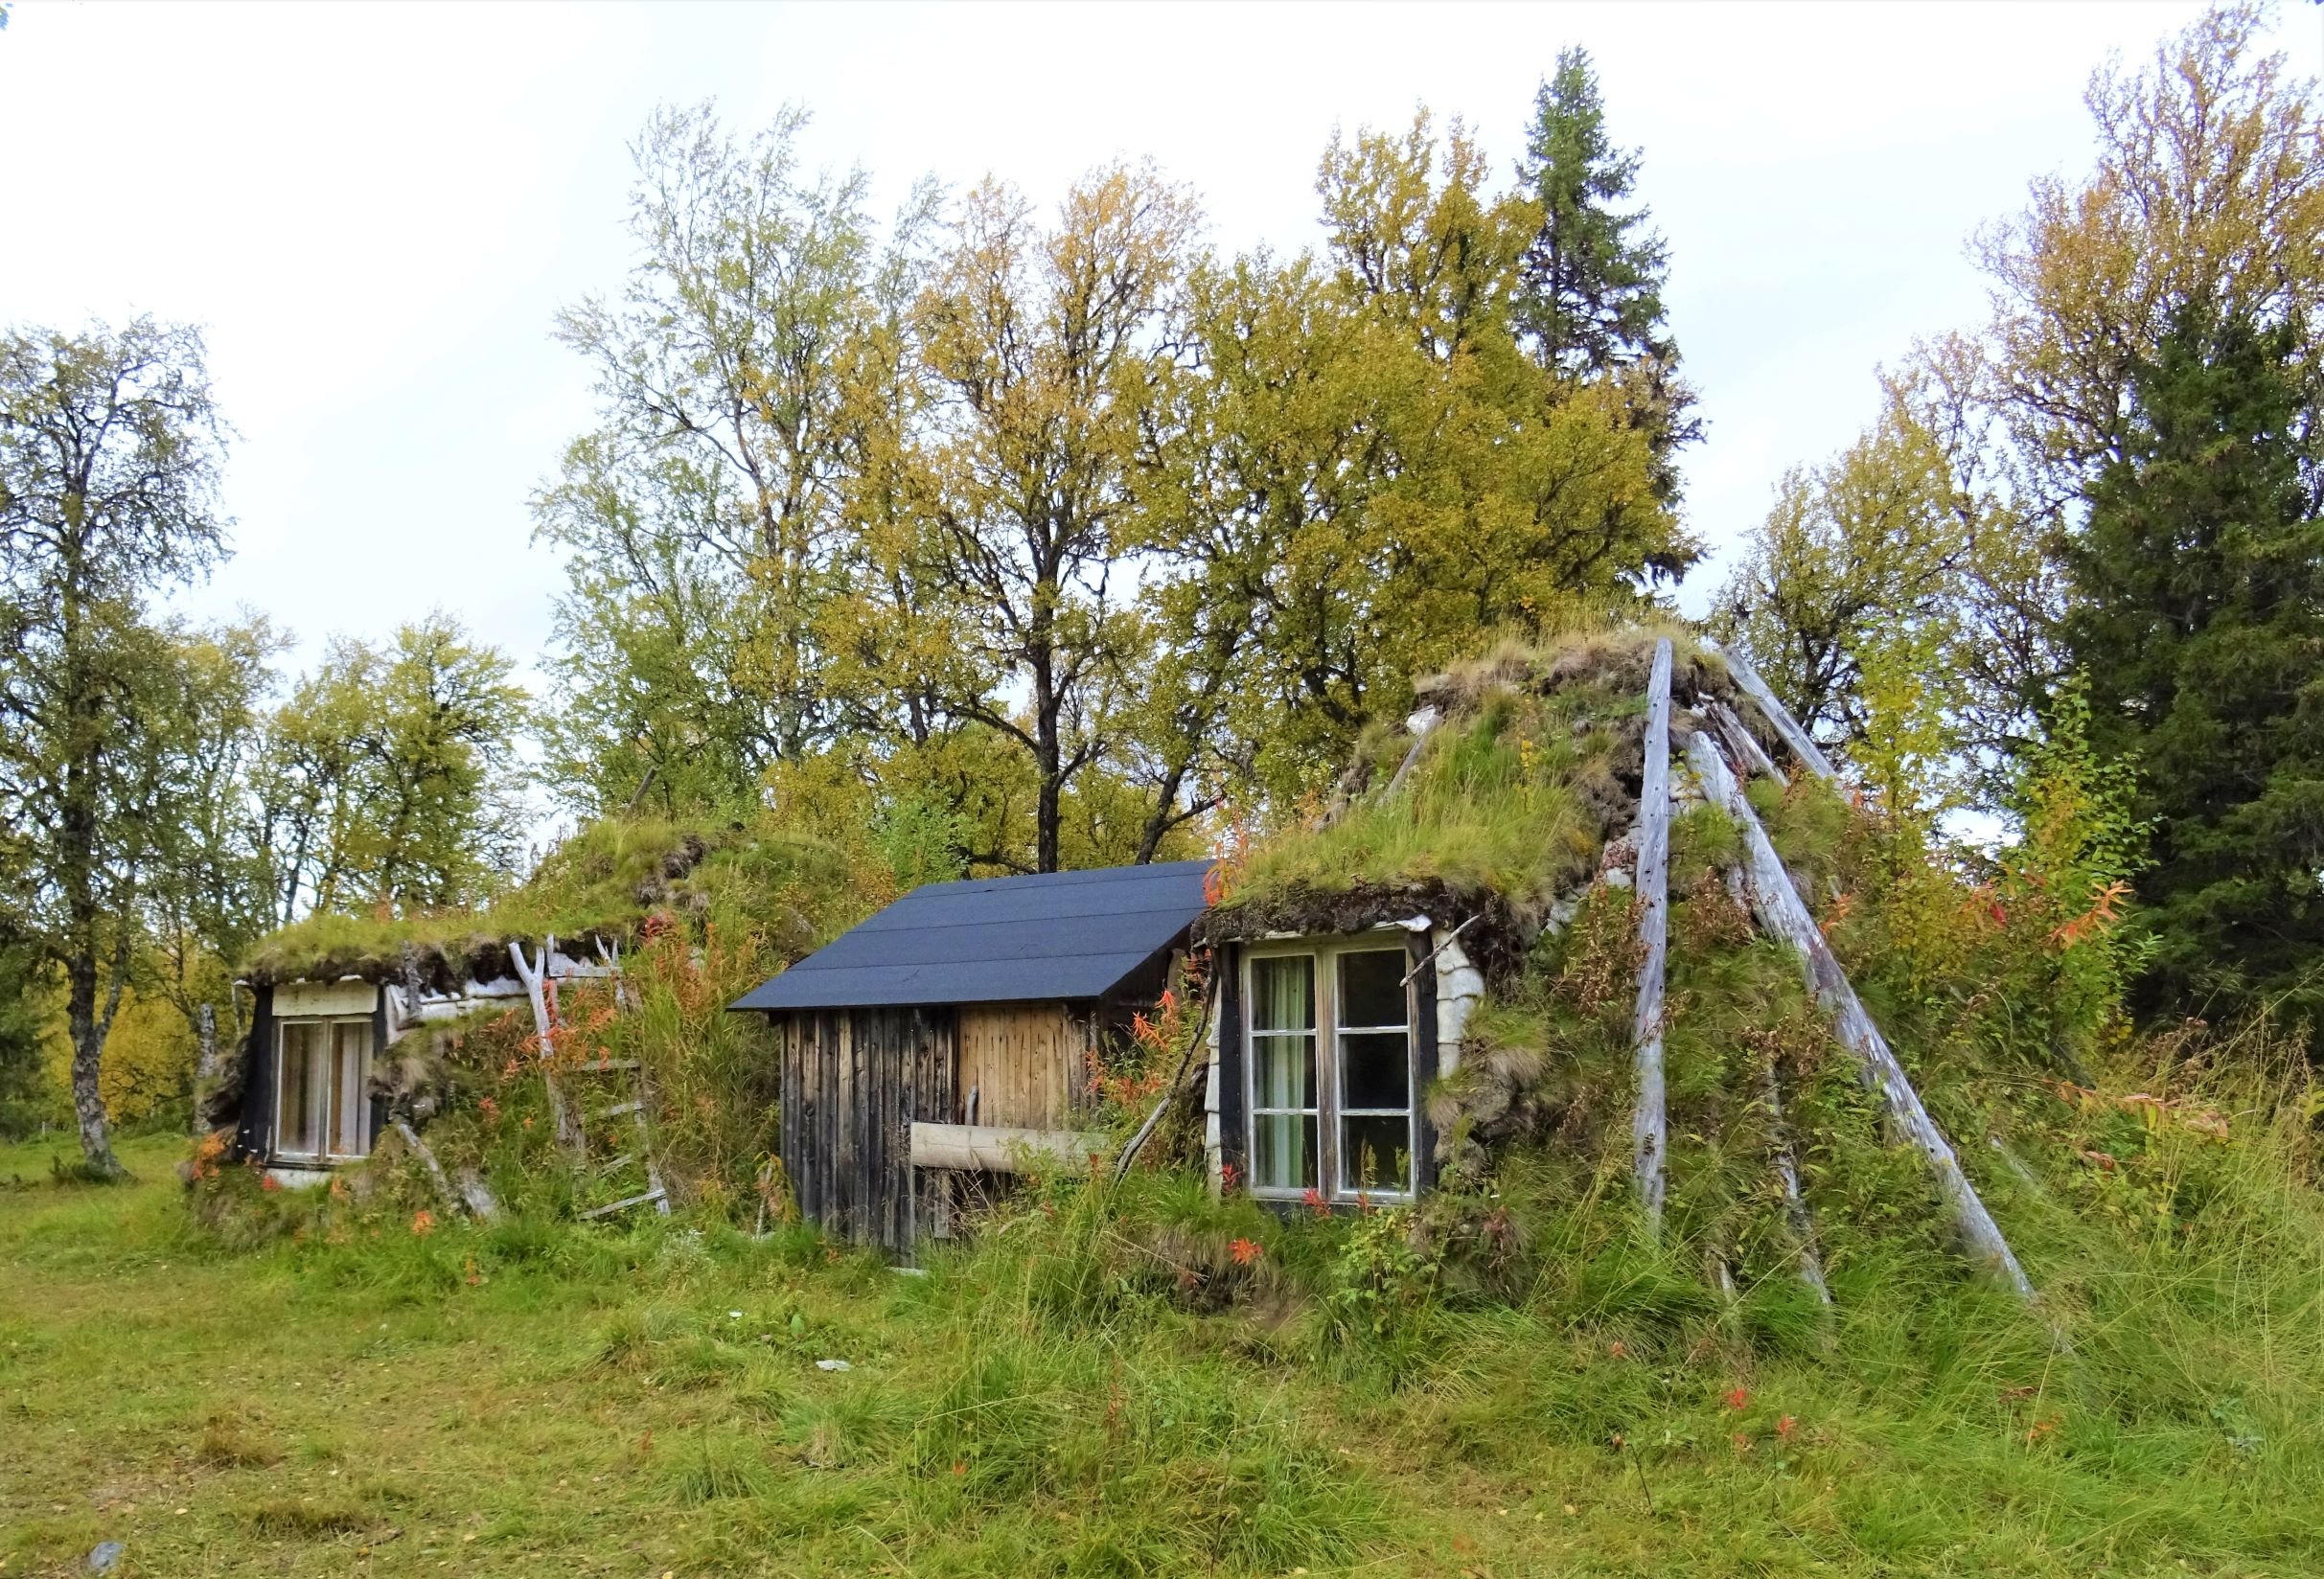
1531, 768
603, 882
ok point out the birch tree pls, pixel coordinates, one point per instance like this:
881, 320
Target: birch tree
110, 447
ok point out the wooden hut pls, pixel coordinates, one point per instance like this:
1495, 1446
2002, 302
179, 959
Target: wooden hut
950, 1035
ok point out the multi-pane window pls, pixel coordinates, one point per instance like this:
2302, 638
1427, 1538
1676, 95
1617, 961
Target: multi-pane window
1330, 1039
322, 1089
1374, 1027
1283, 1110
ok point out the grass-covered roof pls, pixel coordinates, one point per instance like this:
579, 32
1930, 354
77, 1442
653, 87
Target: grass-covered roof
1530, 768
601, 884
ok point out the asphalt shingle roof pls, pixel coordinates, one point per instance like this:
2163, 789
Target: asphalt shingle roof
1061, 935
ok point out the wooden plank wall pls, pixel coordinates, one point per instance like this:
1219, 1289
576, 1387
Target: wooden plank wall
853, 1081
1026, 1062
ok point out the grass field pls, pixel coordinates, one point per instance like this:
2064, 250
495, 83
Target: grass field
537, 1400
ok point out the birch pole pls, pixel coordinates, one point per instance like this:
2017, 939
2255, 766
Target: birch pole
533, 976
1650, 1123
1810, 754
1782, 913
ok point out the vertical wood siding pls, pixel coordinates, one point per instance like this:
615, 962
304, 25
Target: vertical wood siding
853, 1082
1024, 1062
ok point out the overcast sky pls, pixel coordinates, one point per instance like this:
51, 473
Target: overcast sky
374, 211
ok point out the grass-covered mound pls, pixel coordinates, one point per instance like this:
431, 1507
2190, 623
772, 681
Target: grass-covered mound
1140, 1378
700, 913
602, 882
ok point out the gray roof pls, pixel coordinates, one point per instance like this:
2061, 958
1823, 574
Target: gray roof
1062, 935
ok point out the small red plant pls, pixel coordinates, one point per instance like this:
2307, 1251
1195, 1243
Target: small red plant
1228, 1176
1245, 1251
1737, 1397
270, 1184
1316, 1203
1786, 1428
423, 1223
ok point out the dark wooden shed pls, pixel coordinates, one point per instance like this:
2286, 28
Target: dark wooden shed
951, 1033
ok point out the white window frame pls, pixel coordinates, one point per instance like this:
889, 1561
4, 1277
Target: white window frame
328, 1024
1331, 1168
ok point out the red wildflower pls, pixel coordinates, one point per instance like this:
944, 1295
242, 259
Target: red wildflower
1737, 1397
1316, 1203
1618, 1349
1742, 1442
270, 1182
1786, 1428
1228, 1176
1245, 1251
422, 1222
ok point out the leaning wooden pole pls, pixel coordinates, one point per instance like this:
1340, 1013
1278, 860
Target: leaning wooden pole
1795, 1204
1745, 745
1783, 914
1810, 755
1650, 1123
535, 978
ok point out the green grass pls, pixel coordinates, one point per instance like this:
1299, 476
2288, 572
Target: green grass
601, 881
542, 1399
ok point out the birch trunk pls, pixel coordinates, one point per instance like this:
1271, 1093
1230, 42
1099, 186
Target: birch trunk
1650, 1124
1781, 912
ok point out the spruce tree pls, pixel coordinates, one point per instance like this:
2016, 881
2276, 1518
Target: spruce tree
2199, 621
1590, 300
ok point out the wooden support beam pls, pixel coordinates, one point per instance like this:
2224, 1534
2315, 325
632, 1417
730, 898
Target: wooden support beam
1745, 745
479, 1204
1404, 768
1810, 755
1649, 1122
534, 976
1782, 913
1795, 1204
998, 1149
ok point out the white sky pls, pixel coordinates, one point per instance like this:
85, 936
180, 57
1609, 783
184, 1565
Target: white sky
374, 209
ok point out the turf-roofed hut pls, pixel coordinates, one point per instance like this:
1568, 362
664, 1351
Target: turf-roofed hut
948, 1038
1429, 974
353, 1019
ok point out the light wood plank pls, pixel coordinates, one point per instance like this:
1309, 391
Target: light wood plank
1001, 1149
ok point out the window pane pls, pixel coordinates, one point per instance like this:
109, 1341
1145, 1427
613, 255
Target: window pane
1371, 988
1375, 1153
1282, 992
1375, 1070
351, 1092
1282, 1151
295, 1096
1282, 1071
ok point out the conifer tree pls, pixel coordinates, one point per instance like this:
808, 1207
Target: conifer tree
2199, 621
1589, 288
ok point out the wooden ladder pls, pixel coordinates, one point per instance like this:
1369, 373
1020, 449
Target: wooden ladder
572, 1090
631, 1169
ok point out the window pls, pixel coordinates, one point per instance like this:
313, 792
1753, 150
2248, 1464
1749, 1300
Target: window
1346, 1127
322, 1097
1283, 1112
